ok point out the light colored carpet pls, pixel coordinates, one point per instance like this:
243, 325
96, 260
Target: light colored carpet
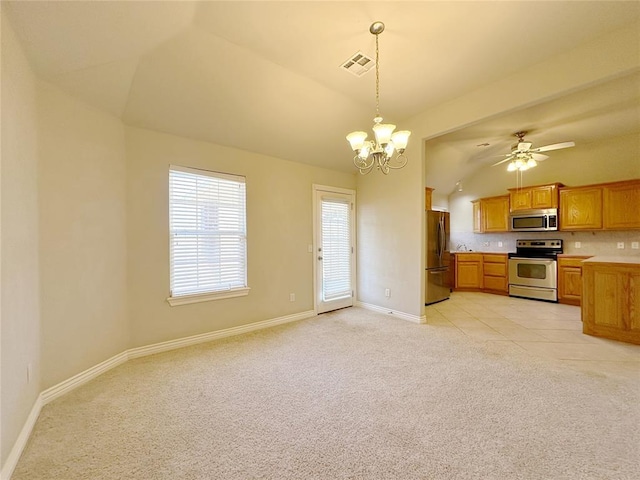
347, 395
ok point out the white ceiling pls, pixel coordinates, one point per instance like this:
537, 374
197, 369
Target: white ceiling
264, 76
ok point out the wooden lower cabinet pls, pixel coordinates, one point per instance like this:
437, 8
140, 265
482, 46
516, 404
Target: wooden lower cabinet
495, 273
468, 271
485, 272
611, 300
570, 279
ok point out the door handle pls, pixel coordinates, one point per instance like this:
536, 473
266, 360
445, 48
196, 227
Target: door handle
319, 258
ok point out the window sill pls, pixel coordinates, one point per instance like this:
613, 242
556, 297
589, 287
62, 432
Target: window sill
207, 297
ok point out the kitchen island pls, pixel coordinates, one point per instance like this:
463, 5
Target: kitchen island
611, 297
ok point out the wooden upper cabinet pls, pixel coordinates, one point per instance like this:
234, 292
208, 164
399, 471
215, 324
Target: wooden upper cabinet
428, 192
621, 205
520, 199
538, 197
491, 214
605, 206
477, 218
495, 214
581, 208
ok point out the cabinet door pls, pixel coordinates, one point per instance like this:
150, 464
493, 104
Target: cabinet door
520, 199
477, 218
621, 206
570, 284
468, 274
495, 214
581, 208
545, 196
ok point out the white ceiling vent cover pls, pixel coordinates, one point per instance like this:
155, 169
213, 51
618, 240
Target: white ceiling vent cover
358, 64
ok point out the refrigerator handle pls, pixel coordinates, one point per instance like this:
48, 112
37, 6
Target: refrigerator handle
438, 238
441, 246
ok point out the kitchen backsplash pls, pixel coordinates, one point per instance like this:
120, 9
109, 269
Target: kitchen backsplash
591, 243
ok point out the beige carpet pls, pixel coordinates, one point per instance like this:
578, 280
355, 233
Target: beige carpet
347, 395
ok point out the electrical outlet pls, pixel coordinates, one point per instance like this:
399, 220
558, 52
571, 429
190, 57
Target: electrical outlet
387, 292
292, 297
310, 248
621, 245
499, 244
635, 245
577, 245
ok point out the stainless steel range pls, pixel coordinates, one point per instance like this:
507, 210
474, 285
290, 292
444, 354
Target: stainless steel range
533, 269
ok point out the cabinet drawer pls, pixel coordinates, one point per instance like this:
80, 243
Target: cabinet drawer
495, 283
495, 269
498, 258
468, 257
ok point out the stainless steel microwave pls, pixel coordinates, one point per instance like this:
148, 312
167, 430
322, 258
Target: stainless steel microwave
534, 220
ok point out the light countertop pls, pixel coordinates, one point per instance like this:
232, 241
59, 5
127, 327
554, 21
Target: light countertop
621, 259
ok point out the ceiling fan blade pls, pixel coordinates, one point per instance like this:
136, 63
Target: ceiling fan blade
555, 146
538, 157
502, 161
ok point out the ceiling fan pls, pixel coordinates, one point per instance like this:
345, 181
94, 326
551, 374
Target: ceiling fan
523, 157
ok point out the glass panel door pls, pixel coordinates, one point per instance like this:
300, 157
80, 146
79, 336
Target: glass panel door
334, 250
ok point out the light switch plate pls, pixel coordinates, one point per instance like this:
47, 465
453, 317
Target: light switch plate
621, 245
635, 245
499, 244
578, 244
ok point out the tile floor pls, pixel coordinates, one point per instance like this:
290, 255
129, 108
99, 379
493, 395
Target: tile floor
541, 329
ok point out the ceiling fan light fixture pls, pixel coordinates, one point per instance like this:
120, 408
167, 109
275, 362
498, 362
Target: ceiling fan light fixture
380, 151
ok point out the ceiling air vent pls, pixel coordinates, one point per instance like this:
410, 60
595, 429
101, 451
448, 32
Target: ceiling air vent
358, 64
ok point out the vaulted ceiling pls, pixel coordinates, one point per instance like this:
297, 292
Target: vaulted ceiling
265, 76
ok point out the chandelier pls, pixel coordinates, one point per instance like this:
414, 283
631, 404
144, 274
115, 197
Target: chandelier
386, 152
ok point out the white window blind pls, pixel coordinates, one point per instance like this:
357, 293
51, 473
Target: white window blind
336, 248
207, 222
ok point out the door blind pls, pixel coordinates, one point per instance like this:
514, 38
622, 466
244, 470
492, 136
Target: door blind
336, 248
207, 223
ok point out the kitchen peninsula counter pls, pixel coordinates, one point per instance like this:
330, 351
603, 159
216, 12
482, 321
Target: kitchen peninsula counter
611, 297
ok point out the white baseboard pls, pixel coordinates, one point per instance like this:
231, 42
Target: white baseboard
74, 382
389, 311
81, 378
21, 442
207, 337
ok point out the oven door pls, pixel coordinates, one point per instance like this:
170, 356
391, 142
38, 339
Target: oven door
533, 272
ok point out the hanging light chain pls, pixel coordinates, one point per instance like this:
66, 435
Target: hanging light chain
377, 78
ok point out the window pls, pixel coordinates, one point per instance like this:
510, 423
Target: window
208, 235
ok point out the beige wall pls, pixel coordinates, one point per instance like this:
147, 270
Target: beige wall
279, 230
82, 184
390, 223
20, 310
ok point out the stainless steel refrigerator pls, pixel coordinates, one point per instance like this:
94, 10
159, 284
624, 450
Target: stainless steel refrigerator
437, 282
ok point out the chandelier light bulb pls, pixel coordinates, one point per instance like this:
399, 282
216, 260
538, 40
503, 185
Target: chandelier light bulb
400, 139
357, 139
383, 132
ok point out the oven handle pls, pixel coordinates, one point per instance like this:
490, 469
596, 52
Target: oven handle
529, 259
